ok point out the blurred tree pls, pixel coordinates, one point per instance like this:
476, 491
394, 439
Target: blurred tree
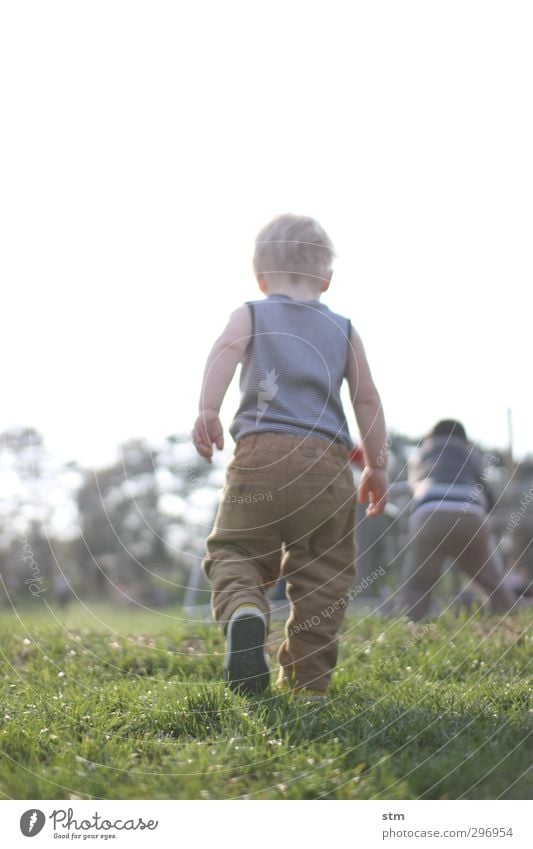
138, 524
36, 505
122, 530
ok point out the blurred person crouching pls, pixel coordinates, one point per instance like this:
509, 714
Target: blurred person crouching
449, 519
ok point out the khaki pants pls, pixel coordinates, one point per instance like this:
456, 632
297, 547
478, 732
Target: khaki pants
464, 536
299, 492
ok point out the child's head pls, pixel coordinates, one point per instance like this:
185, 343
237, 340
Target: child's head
293, 249
448, 427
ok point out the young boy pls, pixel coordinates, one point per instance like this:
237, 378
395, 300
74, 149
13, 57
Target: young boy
289, 483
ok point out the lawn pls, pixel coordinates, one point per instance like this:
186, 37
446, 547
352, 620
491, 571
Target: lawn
125, 705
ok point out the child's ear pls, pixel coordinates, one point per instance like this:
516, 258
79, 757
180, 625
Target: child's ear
324, 286
262, 284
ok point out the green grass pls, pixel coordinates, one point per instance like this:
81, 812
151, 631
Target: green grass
123, 704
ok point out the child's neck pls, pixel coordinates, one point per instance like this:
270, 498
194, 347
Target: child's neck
297, 291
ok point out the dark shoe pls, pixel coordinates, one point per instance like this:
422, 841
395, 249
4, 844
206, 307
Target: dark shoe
245, 663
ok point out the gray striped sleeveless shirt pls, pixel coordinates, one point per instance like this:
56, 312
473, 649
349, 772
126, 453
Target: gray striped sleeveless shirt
292, 370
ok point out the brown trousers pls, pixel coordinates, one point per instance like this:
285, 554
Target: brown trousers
288, 508
464, 536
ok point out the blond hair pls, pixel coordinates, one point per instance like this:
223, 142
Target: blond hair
294, 247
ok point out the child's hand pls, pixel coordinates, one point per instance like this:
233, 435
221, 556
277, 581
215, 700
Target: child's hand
207, 431
373, 487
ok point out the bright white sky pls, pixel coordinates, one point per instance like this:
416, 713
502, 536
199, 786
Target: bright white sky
145, 144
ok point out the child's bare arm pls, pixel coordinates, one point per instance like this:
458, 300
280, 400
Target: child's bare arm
371, 421
220, 367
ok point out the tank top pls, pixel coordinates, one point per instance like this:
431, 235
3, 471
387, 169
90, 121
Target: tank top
293, 369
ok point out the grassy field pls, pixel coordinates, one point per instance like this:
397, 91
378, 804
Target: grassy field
109, 704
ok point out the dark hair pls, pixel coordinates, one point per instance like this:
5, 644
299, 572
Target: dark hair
448, 427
